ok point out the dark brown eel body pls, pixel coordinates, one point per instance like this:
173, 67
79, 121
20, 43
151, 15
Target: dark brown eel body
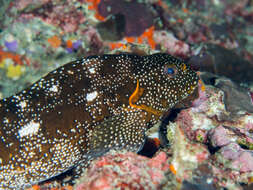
83, 109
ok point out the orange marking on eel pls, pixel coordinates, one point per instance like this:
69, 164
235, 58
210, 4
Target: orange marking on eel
183, 67
134, 98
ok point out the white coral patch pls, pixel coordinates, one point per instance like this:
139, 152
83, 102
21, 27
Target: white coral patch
91, 96
31, 128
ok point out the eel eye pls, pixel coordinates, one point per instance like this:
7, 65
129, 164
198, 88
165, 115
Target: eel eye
170, 70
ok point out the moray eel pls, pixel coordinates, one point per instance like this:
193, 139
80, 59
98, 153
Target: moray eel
83, 109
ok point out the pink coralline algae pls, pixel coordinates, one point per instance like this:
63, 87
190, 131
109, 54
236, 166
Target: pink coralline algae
22, 4
171, 44
231, 153
251, 96
68, 19
91, 35
239, 159
124, 170
218, 136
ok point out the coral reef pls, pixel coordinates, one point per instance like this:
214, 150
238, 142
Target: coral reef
124, 170
225, 137
209, 142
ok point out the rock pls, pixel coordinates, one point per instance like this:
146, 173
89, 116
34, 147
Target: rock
236, 158
208, 133
224, 62
138, 16
218, 137
236, 98
113, 28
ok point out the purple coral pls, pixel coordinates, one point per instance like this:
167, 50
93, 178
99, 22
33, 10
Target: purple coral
76, 44
12, 45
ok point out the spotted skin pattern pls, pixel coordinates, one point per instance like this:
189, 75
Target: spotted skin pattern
83, 109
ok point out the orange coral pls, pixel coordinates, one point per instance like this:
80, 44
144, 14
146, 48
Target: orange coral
54, 41
172, 169
18, 59
201, 85
130, 39
149, 35
116, 45
146, 36
69, 44
162, 4
68, 187
157, 142
35, 187
94, 6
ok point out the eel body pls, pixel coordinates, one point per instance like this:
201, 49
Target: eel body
83, 109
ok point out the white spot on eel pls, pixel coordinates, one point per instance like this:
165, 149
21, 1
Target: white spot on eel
31, 128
